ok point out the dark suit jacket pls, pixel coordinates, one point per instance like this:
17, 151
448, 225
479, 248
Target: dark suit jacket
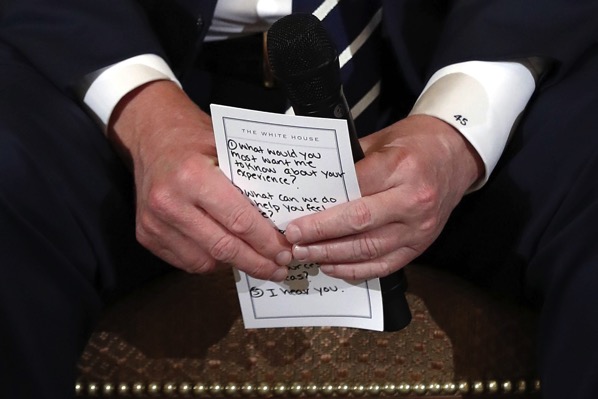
67, 39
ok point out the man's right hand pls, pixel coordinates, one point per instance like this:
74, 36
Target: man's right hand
188, 212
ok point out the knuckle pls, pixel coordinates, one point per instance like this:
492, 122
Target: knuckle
360, 217
159, 201
366, 248
262, 270
142, 236
380, 268
423, 201
429, 225
145, 229
241, 222
398, 155
202, 266
319, 229
427, 202
187, 173
325, 253
385, 269
224, 248
426, 198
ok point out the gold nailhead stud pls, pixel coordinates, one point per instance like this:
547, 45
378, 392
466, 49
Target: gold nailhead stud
78, 388
296, 389
216, 388
463, 387
328, 389
312, 389
478, 387
434, 388
93, 389
169, 389
344, 389
389, 388
138, 388
153, 389
419, 389
359, 389
123, 389
374, 389
263, 389
404, 389
231, 389
200, 389
185, 388
537, 386
521, 386
492, 386
248, 389
449, 387
280, 389
108, 389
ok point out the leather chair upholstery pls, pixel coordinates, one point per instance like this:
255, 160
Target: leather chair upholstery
182, 336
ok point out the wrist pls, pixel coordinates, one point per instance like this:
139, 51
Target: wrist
153, 116
458, 151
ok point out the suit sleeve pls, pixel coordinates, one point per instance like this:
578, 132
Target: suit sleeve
68, 39
558, 31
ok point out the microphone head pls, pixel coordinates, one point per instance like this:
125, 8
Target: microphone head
304, 59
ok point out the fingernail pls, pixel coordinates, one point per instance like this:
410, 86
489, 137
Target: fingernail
284, 258
300, 253
293, 234
327, 269
280, 274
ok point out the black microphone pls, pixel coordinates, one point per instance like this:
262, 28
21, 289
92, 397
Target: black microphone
305, 63
303, 58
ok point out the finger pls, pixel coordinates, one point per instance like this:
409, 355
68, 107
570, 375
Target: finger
380, 267
172, 246
197, 243
187, 257
354, 217
357, 248
231, 209
226, 247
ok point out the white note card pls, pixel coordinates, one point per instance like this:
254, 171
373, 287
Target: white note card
289, 166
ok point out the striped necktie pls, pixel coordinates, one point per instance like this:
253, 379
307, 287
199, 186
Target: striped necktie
354, 27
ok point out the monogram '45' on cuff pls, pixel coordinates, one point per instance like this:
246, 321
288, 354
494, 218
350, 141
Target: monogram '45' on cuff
482, 100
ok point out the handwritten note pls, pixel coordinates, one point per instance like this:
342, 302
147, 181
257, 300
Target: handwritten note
289, 166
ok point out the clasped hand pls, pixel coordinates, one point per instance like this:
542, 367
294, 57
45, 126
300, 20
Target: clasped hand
414, 174
188, 213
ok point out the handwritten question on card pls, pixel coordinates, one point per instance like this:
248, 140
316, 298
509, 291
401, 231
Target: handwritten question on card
290, 166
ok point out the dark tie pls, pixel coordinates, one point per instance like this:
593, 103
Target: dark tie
354, 27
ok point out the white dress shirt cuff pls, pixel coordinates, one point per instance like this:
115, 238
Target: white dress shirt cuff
482, 100
111, 84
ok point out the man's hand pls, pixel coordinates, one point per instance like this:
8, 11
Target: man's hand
414, 174
188, 212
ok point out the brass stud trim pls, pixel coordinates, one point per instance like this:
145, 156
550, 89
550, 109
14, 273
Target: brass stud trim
296, 389
478, 387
